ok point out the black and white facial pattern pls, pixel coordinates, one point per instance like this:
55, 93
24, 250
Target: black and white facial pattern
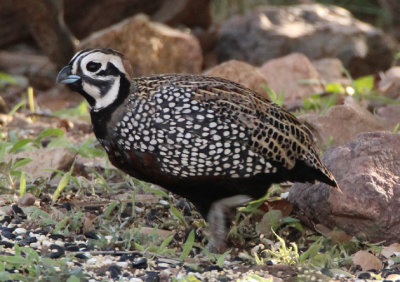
100, 75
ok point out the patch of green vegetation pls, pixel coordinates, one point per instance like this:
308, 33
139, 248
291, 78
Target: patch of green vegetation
27, 265
275, 98
6, 79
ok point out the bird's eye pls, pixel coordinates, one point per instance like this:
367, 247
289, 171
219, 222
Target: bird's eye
93, 66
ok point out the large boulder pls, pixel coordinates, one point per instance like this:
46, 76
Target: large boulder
330, 70
151, 47
342, 123
294, 75
318, 31
390, 83
390, 114
242, 73
367, 170
45, 161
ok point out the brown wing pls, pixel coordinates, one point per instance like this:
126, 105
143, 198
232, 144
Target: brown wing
275, 133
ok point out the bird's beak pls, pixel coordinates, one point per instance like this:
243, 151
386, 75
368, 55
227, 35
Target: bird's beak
65, 76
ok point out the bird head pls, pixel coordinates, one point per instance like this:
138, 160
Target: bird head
97, 74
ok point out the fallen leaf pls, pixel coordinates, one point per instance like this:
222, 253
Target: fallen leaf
283, 205
88, 222
27, 200
389, 251
271, 220
162, 233
367, 261
337, 236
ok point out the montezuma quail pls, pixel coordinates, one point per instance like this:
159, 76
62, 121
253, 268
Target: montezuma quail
207, 139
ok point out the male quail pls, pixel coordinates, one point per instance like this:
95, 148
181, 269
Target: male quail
207, 139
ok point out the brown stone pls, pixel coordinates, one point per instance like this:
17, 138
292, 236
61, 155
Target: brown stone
290, 75
390, 114
242, 73
45, 160
152, 48
27, 200
342, 123
367, 261
367, 170
390, 83
330, 70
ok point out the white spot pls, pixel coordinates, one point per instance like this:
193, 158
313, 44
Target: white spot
212, 124
216, 137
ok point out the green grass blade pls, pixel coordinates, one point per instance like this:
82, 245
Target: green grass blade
110, 208
61, 185
22, 185
187, 247
175, 212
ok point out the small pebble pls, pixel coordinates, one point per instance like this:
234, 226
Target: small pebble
6, 244
8, 234
152, 276
393, 277
27, 241
56, 251
17, 210
57, 236
163, 265
91, 235
47, 243
27, 200
364, 275
82, 245
122, 264
139, 210
66, 206
115, 271
35, 245
164, 202
20, 230
59, 243
91, 261
81, 256
72, 248
140, 263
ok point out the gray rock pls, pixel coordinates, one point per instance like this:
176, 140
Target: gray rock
367, 170
315, 30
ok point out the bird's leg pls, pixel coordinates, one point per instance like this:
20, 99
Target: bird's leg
218, 219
